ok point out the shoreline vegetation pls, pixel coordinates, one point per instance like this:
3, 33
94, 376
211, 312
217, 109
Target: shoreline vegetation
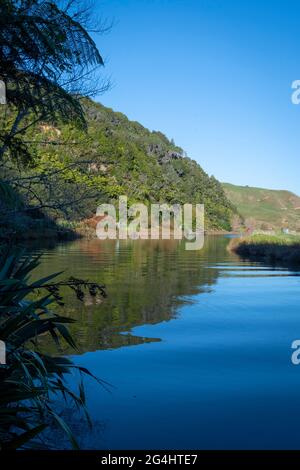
276, 249
65, 231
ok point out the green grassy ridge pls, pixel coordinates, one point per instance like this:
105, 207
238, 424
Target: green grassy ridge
127, 159
272, 248
265, 209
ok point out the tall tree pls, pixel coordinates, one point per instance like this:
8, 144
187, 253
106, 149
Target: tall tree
48, 59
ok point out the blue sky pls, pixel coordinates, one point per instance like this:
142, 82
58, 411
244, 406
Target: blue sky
216, 76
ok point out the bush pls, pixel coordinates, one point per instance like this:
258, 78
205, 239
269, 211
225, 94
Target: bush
31, 379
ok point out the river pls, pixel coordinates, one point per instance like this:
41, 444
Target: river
196, 344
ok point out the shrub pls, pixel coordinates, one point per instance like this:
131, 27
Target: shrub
30, 380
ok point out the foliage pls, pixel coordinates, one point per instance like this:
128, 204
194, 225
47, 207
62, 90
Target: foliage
46, 58
31, 380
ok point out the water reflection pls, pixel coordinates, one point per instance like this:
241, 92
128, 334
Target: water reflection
147, 281
220, 376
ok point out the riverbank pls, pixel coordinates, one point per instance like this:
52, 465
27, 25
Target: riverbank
38, 230
64, 231
283, 249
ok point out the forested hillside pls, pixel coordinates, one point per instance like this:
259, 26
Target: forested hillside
71, 171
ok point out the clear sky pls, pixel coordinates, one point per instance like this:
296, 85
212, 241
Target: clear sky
216, 76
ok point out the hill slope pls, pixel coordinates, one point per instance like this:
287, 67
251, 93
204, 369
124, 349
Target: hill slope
116, 157
265, 208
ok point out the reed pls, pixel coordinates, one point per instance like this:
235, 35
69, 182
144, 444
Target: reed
283, 249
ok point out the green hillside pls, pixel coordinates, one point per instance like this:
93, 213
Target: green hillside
114, 157
265, 209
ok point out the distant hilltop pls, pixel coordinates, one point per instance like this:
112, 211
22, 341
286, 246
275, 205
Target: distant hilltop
265, 209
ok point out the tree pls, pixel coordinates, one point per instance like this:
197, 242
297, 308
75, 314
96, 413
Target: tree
48, 60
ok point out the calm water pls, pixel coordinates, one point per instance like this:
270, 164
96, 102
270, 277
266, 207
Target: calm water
196, 344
